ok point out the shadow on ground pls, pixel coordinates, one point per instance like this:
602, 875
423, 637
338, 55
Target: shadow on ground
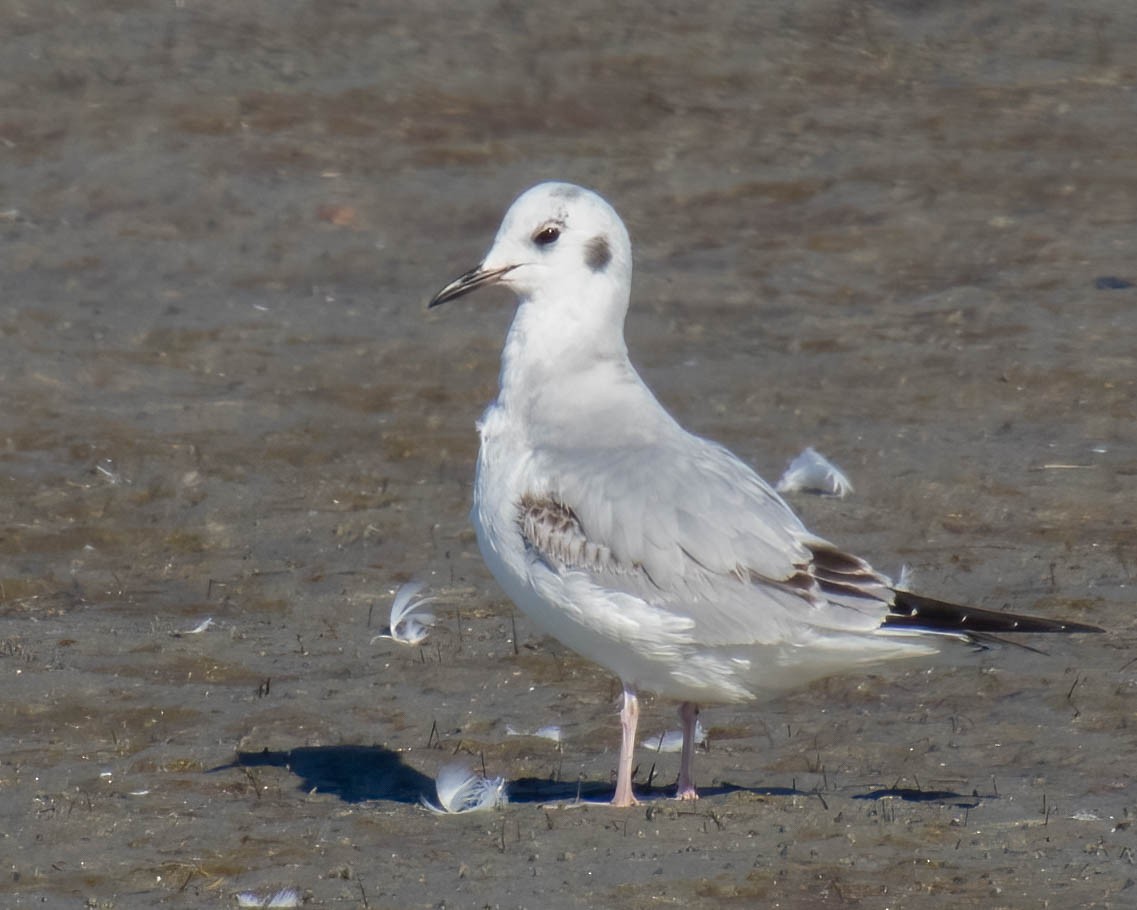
911, 795
353, 773
361, 773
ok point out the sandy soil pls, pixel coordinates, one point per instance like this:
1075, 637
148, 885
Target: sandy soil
899, 232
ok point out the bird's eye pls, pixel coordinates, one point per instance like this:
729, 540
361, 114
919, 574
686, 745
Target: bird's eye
546, 236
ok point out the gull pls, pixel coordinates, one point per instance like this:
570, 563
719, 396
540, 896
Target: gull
653, 552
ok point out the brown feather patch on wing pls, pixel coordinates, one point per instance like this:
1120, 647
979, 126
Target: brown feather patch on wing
831, 575
553, 533
841, 574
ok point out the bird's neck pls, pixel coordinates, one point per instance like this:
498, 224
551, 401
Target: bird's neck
550, 339
565, 366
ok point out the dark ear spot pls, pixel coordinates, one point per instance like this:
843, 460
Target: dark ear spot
597, 253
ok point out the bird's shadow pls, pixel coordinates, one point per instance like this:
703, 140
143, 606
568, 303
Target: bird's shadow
362, 773
543, 790
353, 773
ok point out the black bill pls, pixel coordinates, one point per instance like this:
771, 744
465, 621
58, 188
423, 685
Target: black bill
471, 281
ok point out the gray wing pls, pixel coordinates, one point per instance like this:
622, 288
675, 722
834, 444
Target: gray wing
687, 527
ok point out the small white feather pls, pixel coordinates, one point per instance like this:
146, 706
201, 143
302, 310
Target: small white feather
812, 472
550, 731
462, 790
410, 624
196, 630
672, 740
905, 578
285, 897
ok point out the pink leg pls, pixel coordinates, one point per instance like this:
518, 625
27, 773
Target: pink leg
629, 717
689, 715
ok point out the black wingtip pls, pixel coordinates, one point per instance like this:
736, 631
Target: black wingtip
911, 611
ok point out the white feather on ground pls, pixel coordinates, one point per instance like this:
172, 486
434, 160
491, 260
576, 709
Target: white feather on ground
196, 630
462, 790
672, 740
905, 578
812, 472
410, 624
285, 897
550, 732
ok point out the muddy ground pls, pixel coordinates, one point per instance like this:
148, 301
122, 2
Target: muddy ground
899, 232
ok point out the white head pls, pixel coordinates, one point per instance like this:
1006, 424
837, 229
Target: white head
566, 254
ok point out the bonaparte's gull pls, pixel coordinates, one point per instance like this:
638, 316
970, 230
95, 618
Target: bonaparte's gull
655, 553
